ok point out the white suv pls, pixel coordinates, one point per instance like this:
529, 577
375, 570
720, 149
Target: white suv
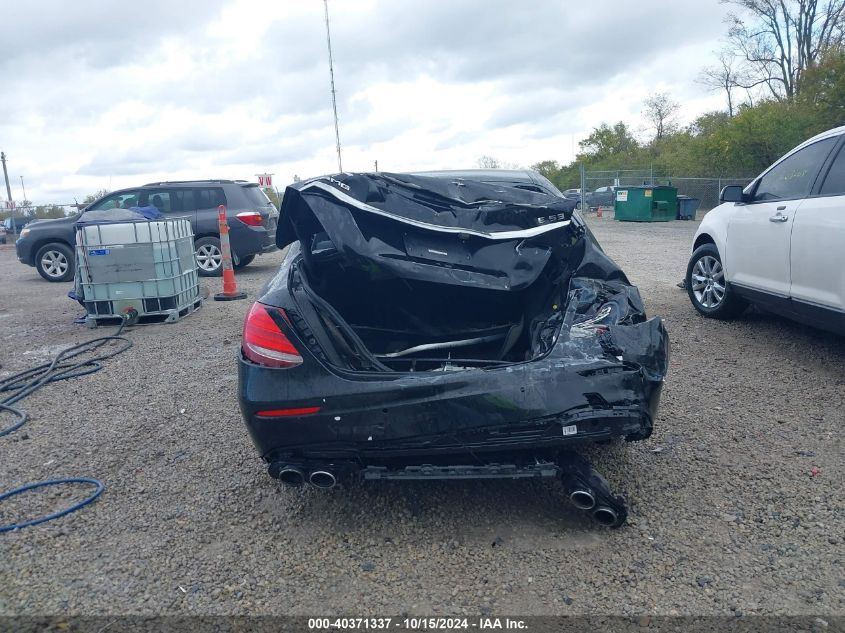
780, 242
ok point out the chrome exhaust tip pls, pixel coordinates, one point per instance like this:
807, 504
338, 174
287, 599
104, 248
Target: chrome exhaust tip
582, 499
322, 479
605, 516
292, 476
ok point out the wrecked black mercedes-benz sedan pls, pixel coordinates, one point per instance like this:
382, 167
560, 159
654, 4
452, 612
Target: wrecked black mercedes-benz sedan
437, 328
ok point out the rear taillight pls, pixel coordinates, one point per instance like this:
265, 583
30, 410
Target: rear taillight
263, 340
253, 218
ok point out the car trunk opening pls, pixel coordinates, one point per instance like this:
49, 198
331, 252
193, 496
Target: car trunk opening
412, 273
417, 325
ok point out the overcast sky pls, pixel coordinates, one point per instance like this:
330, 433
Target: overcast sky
108, 94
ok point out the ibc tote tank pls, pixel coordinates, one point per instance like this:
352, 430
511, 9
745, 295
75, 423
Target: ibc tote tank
123, 262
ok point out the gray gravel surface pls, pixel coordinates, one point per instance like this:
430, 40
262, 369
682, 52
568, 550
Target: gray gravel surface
725, 515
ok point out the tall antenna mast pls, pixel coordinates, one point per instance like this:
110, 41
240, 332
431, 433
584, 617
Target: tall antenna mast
331, 75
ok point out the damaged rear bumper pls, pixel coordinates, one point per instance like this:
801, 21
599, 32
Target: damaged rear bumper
515, 414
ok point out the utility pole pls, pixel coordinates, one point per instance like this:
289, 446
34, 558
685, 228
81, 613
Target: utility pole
8, 191
6, 176
331, 76
24, 190
584, 208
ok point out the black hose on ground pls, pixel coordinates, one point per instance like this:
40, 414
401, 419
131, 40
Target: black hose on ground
62, 367
98, 488
28, 381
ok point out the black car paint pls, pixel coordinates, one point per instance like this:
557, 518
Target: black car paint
376, 417
525, 179
465, 257
45, 232
245, 240
607, 385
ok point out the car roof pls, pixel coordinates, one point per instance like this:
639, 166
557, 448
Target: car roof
494, 175
476, 174
827, 134
243, 183
832, 133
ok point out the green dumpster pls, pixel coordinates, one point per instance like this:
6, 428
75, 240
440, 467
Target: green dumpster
646, 204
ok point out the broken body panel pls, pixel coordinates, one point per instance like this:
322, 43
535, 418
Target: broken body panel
447, 322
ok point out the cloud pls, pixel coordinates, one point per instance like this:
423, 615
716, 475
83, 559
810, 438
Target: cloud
100, 33
101, 94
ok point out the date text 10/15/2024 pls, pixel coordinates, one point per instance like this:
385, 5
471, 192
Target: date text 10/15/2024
415, 624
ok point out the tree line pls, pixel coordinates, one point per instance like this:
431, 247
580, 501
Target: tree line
782, 72
41, 211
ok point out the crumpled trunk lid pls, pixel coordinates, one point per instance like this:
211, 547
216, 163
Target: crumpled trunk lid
413, 273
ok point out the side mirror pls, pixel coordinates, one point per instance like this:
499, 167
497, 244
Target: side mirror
731, 193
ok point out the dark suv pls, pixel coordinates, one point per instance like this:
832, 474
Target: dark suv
49, 244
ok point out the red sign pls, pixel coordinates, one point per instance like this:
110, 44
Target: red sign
265, 180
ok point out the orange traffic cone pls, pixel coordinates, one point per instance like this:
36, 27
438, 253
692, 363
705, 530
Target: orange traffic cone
230, 288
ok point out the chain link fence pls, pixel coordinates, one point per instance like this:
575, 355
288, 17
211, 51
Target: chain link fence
13, 220
704, 189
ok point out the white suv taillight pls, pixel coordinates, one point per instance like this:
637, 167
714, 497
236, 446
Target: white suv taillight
263, 340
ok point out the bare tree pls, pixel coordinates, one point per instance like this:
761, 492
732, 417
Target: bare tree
662, 113
778, 39
488, 162
93, 197
725, 75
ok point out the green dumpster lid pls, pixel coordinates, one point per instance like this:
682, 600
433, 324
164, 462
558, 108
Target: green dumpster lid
648, 187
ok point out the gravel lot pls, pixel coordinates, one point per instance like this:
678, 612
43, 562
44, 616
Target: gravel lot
725, 515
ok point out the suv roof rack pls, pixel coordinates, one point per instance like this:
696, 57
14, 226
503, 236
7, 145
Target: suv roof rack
192, 182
